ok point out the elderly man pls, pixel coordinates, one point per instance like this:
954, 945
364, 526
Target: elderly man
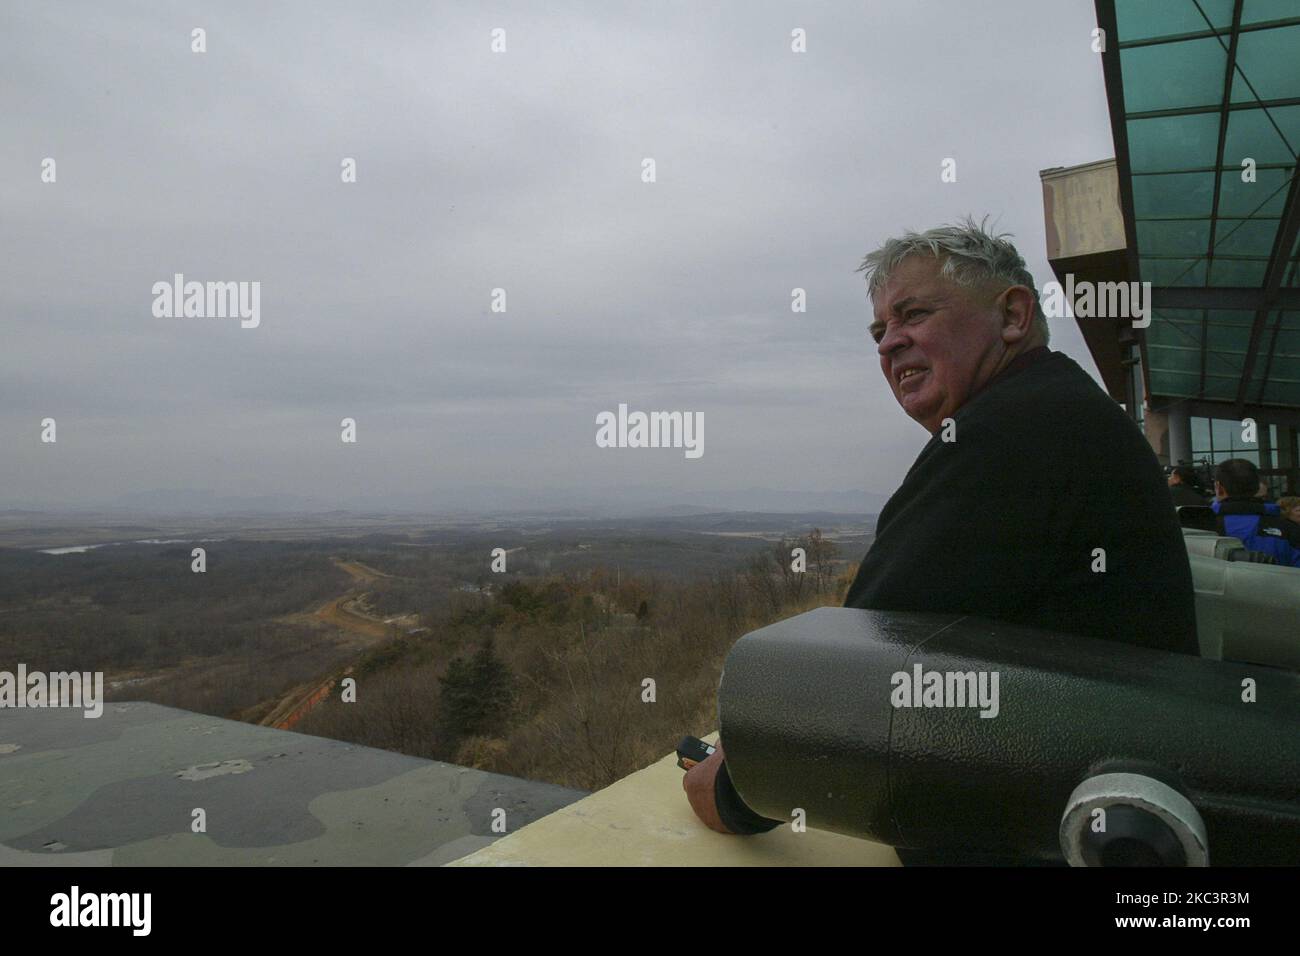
1036, 501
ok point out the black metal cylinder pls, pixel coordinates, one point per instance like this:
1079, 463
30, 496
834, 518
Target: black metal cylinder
807, 721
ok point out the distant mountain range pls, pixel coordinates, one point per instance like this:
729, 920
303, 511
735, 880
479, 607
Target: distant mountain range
628, 501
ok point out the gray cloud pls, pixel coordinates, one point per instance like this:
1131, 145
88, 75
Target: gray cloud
478, 171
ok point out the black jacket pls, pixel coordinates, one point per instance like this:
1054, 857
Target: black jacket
1003, 523
1183, 495
1006, 521
1260, 527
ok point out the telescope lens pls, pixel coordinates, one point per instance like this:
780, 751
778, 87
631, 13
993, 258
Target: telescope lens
1133, 837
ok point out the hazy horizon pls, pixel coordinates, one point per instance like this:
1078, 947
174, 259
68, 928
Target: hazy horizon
634, 501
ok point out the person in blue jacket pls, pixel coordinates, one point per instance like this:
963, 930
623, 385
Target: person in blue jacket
1241, 514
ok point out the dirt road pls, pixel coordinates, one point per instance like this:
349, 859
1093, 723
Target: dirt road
363, 574
346, 613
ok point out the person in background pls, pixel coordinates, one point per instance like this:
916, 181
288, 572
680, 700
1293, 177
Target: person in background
1259, 525
1183, 489
1290, 508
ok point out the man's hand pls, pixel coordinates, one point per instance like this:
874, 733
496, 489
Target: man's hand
698, 784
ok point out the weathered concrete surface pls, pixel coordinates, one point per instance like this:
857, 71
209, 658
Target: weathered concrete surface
644, 820
1081, 210
121, 790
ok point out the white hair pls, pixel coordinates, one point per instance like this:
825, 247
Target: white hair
969, 255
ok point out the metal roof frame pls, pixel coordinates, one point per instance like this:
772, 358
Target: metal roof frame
1113, 75
1277, 266
1228, 74
1238, 27
1272, 297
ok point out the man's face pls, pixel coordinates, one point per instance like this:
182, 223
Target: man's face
938, 341
1175, 479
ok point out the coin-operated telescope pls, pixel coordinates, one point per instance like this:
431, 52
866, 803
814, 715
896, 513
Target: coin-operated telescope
937, 731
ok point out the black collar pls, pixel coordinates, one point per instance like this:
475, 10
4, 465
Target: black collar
1242, 505
1017, 364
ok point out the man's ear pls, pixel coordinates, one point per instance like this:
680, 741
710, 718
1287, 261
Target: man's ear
1016, 307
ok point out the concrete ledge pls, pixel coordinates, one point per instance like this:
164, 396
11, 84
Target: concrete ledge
644, 820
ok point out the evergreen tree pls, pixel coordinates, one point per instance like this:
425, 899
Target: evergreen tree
476, 693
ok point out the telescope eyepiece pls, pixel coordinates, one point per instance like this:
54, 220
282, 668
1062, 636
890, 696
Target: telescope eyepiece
1130, 819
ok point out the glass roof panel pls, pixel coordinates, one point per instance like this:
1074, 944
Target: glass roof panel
1281, 393
1142, 19
1166, 359
1237, 198
1245, 237
1177, 142
1221, 386
1177, 272
1228, 339
1286, 354
1259, 11
1173, 383
1250, 134
1174, 237
1285, 368
1268, 60
1173, 75
1181, 315
1237, 273
1167, 333
1232, 317
1176, 194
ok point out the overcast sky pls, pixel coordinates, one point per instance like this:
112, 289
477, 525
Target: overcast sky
478, 170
